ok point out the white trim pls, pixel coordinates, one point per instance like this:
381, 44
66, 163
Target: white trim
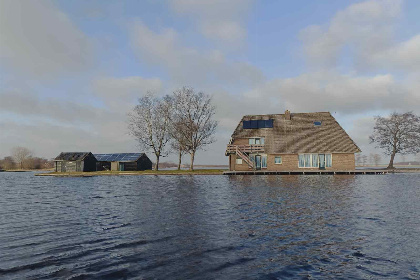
281, 160
325, 158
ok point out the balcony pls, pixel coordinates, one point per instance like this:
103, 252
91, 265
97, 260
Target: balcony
231, 149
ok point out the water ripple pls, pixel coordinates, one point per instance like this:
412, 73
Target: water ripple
209, 227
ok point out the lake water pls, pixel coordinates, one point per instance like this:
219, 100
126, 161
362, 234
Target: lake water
210, 227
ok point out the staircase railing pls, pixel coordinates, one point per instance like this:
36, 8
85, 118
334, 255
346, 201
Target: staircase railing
244, 157
243, 150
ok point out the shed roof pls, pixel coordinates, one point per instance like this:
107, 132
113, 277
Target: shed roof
72, 156
304, 133
122, 157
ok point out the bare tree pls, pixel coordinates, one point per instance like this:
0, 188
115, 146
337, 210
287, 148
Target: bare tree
364, 159
194, 113
371, 159
377, 159
397, 134
180, 149
21, 155
7, 163
175, 130
358, 159
149, 124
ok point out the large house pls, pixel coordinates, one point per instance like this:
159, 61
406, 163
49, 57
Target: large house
291, 141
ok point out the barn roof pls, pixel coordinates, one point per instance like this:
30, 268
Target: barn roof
122, 157
72, 156
304, 133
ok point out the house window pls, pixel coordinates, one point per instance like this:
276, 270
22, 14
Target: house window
256, 141
238, 161
328, 160
317, 123
301, 161
277, 160
260, 162
315, 160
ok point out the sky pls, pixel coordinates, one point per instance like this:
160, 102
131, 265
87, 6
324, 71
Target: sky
70, 71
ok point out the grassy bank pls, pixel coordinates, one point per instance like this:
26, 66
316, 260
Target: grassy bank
147, 172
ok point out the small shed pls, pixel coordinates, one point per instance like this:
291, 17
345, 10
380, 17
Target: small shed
75, 162
123, 162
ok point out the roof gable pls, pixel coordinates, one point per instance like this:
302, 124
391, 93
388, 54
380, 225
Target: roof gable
72, 156
303, 133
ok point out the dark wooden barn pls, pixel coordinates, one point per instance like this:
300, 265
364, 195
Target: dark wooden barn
123, 162
75, 162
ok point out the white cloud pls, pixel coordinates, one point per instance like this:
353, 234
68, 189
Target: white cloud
405, 55
120, 94
219, 20
186, 65
330, 91
65, 112
367, 29
38, 39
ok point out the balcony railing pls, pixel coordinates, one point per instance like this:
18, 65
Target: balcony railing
231, 149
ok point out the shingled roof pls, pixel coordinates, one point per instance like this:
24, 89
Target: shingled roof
73, 156
300, 134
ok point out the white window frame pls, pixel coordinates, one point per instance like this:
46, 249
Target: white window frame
238, 161
261, 139
281, 159
310, 160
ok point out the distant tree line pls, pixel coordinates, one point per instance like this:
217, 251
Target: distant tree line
371, 160
181, 122
23, 158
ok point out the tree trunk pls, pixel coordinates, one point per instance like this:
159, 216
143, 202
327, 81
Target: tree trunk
157, 163
391, 162
180, 159
192, 161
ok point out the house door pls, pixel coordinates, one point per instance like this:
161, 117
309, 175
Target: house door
321, 161
258, 162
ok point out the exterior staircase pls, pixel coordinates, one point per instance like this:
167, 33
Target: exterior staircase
244, 157
243, 150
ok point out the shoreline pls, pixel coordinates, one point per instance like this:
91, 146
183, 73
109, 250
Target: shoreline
134, 173
216, 172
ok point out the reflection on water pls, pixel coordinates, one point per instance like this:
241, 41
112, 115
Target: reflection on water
210, 227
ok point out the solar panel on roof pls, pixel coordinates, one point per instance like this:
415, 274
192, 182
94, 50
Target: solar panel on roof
118, 157
253, 124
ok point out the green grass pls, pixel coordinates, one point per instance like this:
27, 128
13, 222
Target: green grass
146, 172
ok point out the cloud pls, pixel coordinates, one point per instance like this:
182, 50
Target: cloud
185, 64
405, 55
331, 91
47, 139
219, 20
120, 94
56, 110
366, 29
39, 40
